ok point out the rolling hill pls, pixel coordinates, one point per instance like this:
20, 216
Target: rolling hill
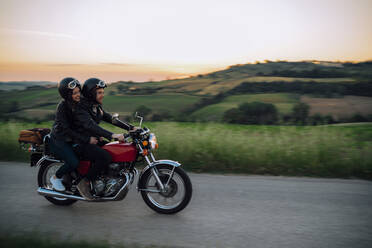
206, 97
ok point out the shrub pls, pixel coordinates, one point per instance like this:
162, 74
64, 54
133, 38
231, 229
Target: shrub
252, 113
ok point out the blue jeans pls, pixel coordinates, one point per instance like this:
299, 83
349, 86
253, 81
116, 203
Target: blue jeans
65, 152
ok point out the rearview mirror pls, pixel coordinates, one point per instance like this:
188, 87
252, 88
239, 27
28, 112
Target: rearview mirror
139, 117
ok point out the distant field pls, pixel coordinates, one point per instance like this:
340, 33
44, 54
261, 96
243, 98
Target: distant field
339, 107
30, 101
283, 101
31, 98
322, 151
171, 103
212, 86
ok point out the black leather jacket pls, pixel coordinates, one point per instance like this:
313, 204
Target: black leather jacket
63, 126
88, 115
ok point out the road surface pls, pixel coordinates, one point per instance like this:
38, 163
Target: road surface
225, 211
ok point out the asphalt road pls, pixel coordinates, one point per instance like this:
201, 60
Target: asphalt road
225, 211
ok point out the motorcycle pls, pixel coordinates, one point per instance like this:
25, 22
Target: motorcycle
164, 185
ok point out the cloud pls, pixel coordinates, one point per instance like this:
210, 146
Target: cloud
35, 32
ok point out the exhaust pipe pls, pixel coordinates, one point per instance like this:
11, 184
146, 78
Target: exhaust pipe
52, 193
119, 196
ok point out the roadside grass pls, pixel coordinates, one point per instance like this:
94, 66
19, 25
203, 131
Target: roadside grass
316, 151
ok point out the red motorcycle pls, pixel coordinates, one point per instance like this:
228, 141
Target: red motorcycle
164, 186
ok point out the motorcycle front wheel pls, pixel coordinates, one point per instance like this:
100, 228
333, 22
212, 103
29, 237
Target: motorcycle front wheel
46, 171
174, 198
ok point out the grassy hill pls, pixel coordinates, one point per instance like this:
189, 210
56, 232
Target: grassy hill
21, 85
214, 112
224, 80
325, 86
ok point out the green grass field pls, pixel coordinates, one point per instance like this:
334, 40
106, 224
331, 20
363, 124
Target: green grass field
319, 151
283, 102
158, 102
30, 100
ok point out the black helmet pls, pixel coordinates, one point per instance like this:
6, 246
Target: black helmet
90, 86
66, 86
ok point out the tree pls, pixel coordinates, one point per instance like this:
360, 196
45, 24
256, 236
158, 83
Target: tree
317, 119
14, 107
233, 115
123, 88
143, 111
301, 112
252, 113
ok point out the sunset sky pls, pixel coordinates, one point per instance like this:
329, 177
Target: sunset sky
147, 39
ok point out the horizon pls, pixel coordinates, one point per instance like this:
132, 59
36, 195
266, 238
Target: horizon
147, 41
194, 75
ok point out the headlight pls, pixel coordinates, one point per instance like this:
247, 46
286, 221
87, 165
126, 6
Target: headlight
153, 141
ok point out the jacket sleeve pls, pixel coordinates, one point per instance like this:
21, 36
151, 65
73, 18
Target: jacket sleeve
65, 125
84, 119
108, 118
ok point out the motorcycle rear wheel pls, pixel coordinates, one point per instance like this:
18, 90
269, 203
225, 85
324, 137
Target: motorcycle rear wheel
179, 186
47, 169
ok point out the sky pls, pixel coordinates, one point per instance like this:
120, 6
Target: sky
144, 40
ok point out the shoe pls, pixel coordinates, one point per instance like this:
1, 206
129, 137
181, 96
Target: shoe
57, 183
84, 189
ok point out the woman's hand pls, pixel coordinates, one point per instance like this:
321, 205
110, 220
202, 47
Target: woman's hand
93, 141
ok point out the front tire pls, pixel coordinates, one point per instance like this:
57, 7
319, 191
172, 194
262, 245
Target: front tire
179, 186
48, 169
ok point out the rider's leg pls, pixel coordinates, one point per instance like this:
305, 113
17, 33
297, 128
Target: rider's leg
63, 151
100, 159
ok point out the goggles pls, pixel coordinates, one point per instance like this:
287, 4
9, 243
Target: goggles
72, 85
101, 84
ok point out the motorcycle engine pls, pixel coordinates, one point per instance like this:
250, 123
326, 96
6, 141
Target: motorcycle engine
109, 184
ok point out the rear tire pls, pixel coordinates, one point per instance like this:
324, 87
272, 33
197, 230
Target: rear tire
43, 181
164, 170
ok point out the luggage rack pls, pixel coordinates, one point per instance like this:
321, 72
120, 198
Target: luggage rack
30, 147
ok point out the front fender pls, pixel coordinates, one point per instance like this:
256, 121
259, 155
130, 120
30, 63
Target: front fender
168, 162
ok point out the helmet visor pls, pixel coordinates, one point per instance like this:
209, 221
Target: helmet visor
72, 85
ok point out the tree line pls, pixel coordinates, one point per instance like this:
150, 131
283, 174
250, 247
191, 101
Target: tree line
324, 89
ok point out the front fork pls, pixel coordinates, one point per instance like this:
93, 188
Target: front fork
150, 161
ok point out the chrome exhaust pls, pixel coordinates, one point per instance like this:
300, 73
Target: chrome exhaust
120, 195
52, 193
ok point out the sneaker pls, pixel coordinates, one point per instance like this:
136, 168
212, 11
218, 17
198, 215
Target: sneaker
57, 183
84, 189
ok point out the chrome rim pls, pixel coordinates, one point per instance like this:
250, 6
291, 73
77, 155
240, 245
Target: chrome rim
48, 173
174, 194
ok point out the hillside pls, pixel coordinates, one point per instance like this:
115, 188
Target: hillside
338, 89
21, 85
225, 80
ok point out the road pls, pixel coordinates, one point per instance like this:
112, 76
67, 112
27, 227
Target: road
225, 211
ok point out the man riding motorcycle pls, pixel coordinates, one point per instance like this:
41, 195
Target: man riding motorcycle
87, 116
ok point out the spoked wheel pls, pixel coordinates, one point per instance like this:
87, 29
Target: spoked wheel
46, 171
177, 193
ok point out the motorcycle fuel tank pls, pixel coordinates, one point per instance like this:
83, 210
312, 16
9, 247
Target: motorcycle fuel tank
121, 152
